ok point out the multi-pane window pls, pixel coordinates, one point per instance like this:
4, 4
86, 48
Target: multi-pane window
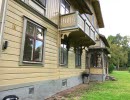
65, 7
78, 57
63, 53
95, 60
41, 2
38, 5
34, 43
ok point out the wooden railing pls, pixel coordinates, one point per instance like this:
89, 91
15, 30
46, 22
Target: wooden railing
75, 20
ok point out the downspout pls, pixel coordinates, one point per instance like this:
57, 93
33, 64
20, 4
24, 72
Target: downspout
2, 21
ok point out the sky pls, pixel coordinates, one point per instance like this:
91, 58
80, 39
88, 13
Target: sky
116, 16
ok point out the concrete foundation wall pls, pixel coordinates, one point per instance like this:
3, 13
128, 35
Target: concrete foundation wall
40, 90
97, 77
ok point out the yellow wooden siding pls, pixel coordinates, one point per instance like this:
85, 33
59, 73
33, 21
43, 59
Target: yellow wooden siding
96, 70
10, 71
71, 59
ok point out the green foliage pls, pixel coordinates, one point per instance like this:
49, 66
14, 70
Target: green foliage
110, 90
111, 68
129, 69
119, 49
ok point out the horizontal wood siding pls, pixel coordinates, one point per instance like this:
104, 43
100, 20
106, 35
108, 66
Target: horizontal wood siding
11, 72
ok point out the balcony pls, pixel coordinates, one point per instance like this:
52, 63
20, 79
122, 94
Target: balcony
74, 23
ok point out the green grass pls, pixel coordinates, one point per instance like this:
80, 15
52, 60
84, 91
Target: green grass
110, 90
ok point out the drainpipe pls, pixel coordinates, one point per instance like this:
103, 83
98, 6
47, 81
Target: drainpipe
2, 20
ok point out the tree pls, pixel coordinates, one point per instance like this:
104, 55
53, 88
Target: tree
119, 50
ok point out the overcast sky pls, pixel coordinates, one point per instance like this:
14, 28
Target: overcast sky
116, 16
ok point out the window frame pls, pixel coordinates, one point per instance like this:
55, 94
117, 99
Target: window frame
22, 62
40, 6
65, 54
78, 57
94, 59
65, 7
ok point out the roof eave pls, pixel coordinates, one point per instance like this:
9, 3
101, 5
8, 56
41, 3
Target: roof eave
104, 40
81, 5
97, 9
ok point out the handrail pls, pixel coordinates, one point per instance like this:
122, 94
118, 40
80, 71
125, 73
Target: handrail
83, 23
91, 24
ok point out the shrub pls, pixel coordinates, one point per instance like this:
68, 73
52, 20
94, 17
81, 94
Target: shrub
129, 69
111, 68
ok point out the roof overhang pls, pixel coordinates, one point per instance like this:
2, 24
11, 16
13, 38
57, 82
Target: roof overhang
81, 5
99, 49
104, 40
97, 9
77, 37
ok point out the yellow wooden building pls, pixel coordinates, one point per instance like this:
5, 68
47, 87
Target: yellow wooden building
44, 45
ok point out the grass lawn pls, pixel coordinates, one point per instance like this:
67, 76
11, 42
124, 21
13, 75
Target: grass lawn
110, 90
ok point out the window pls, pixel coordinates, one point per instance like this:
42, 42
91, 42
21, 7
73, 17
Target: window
78, 57
63, 53
65, 7
33, 42
38, 5
41, 2
64, 83
95, 60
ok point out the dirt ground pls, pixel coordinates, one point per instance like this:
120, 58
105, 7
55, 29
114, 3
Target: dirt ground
73, 93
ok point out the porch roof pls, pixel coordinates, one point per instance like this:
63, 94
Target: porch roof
101, 49
81, 5
76, 37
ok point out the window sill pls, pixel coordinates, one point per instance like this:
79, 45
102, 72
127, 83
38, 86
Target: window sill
32, 64
78, 67
63, 65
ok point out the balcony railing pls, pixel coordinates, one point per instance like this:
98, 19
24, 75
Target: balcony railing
75, 20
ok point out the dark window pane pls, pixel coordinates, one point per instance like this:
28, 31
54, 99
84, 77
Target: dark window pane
63, 54
38, 50
28, 49
30, 28
65, 7
78, 57
39, 33
33, 47
42, 2
63, 3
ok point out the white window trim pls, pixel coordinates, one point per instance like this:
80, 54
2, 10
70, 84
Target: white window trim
2, 21
23, 43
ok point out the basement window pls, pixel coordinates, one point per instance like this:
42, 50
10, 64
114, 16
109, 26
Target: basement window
64, 83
